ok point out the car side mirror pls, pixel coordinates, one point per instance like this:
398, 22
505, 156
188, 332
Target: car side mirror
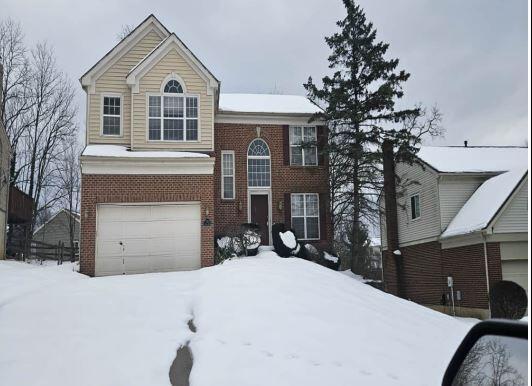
493, 353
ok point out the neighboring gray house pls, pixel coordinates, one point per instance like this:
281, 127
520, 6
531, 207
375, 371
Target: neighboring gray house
56, 229
459, 225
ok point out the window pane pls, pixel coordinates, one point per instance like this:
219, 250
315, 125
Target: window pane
111, 125
155, 129
312, 205
312, 228
414, 206
173, 129
192, 129
310, 156
298, 224
258, 172
173, 107
173, 86
111, 105
309, 134
228, 187
296, 157
295, 135
297, 205
227, 164
258, 148
192, 107
155, 106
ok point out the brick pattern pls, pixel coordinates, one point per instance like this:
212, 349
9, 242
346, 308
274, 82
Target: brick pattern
97, 189
426, 267
284, 178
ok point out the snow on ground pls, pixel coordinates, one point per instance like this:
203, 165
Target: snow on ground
260, 321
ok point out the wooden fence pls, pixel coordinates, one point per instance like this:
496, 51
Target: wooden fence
42, 251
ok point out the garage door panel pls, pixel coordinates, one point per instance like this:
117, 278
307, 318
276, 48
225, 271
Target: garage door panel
516, 271
164, 237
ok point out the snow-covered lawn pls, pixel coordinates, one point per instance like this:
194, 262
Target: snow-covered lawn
260, 321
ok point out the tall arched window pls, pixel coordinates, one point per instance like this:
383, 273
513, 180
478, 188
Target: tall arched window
173, 114
258, 164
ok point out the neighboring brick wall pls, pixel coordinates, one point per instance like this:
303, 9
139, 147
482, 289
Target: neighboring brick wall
467, 266
284, 178
426, 267
96, 189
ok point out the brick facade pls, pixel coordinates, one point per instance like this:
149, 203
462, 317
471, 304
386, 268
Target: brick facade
285, 179
105, 188
426, 267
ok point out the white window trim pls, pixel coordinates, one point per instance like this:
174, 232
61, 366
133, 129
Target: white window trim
112, 95
230, 152
418, 204
303, 150
161, 95
305, 213
268, 157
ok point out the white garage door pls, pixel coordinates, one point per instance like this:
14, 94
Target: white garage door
147, 238
516, 271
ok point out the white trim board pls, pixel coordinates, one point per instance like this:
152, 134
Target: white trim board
157, 166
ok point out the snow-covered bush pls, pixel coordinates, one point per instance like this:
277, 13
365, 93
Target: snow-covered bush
329, 260
312, 252
284, 241
250, 236
242, 241
508, 300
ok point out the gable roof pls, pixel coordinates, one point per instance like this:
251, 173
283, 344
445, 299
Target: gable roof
148, 24
454, 159
169, 43
485, 203
75, 215
267, 104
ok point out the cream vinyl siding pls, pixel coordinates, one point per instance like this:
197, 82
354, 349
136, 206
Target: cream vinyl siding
514, 217
454, 192
151, 83
416, 180
113, 81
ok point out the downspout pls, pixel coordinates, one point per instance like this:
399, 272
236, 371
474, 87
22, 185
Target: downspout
487, 272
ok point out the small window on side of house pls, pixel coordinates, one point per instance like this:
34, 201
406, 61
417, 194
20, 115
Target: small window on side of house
414, 207
111, 115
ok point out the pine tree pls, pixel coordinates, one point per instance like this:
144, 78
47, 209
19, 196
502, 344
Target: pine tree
359, 107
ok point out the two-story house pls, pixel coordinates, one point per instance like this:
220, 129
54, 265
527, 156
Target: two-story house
454, 223
170, 162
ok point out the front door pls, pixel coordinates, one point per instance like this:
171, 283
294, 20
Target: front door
259, 215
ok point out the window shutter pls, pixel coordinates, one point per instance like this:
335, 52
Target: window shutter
321, 136
323, 216
287, 211
286, 144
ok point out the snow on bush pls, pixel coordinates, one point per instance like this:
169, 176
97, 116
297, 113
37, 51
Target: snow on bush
312, 252
289, 239
330, 257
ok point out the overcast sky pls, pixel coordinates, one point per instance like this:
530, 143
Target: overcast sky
468, 57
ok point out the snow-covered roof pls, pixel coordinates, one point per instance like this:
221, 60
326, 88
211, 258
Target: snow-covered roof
484, 204
450, 159
267, 103
123, 151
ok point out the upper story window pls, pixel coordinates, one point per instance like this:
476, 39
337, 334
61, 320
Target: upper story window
258, 164
303, 146
414, 207
173, 116
111, 115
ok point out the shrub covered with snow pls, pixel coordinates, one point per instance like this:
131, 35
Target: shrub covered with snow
508, 300
329, 260
312, 252
250, 237
284, 240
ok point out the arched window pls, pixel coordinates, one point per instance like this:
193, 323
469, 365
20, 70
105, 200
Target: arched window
173, 87
258, 164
